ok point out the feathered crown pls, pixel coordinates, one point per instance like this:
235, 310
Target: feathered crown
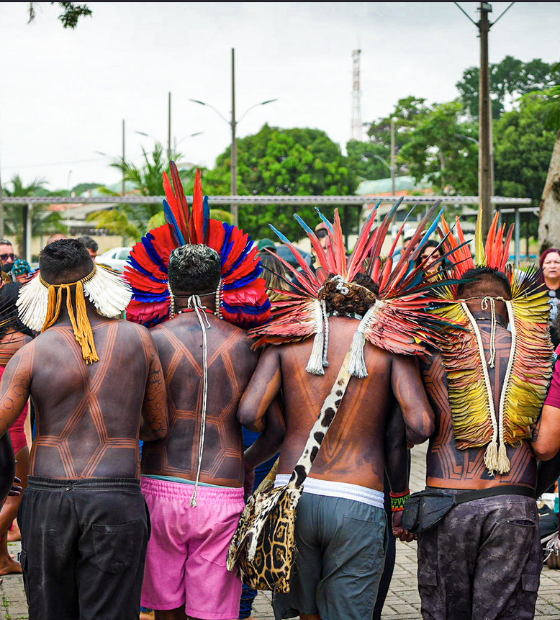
476, 423
396, 320
242, 298
494, 253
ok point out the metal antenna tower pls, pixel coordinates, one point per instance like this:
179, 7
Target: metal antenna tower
356, 130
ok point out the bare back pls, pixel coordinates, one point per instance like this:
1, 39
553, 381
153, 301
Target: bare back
352, 451
449, 467
230, 366
88, 416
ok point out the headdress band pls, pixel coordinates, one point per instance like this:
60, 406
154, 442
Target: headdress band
39, 304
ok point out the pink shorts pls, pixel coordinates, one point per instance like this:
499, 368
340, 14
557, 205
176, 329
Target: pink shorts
186, 559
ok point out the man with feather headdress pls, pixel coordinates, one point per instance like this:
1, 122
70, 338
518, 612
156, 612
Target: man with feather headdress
197, 282
479, 553
348, 334
97, 385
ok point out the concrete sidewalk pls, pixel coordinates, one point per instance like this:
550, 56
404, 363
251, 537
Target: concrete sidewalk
402, 602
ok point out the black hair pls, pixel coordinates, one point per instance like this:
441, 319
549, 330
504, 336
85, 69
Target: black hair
90, 243
194, 269
6, 242
9, 318
430, 245
484, 273
65, 259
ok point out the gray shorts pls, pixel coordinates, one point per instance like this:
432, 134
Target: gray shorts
482, 561
341, 554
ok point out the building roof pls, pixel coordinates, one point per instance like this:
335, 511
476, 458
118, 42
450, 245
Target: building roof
383, 186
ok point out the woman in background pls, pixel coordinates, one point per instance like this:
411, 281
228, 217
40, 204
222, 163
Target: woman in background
550, 265
13, 336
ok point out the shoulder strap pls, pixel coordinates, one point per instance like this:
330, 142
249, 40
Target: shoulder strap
321, 426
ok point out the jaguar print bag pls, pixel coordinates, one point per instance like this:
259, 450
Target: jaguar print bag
263, 547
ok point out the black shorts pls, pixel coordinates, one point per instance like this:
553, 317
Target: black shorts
83, 548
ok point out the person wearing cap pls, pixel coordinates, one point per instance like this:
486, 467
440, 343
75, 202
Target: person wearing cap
266, 244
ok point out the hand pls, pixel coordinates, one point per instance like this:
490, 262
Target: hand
249, 482
16, 490
398, 530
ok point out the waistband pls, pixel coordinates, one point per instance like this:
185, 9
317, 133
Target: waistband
181, 481
102, 484
177, 490
342, 490
469, 495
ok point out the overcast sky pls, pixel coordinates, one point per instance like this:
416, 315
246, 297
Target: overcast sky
63, 93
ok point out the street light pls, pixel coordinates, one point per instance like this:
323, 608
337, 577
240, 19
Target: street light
233, 124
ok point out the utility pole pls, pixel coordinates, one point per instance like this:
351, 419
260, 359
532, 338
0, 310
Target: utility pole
485, 163
486, 144
393, 167
356, 130
169, 129
123, 156
234, 207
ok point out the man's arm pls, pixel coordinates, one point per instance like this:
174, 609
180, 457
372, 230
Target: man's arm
261, 391
546, 437
15, 386
154, 409
396, 465
411, 395
269, 442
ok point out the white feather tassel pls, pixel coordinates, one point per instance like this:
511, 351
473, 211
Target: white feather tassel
109, 292
357, 366
33, 303
315, 364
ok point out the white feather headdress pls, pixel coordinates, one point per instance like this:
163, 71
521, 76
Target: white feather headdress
39, 304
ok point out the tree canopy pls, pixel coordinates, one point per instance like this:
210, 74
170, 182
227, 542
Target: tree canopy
70, 15
509, 79
287, 162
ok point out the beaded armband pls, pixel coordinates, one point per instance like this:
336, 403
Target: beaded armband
398, 500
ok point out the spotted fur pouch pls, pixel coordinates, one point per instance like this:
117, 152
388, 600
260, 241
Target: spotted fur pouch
263, 547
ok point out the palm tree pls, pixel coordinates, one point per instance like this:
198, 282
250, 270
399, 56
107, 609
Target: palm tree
43, 221
132, 221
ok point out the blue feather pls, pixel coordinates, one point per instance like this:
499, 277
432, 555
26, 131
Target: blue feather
228, 243
324, 219
134, 263
152, 252
170, 219
206, 216
303, 224
282, 237
431, 229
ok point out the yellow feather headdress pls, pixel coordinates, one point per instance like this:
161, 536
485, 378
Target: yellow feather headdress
475, 421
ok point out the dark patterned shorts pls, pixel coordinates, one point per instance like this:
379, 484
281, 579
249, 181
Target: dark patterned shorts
482, 561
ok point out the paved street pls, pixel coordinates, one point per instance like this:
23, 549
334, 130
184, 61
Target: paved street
403, 600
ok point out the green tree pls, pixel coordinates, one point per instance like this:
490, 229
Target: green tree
509, 79
549, 221
365, 160
522, 147
131, 221
43, 221
443, 148
70, 15
287, 162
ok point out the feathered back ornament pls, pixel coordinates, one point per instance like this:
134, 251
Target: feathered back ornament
39, 304
476, 423
241, 298
396, 319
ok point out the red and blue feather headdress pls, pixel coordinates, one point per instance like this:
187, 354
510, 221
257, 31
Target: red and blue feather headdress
243, 298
